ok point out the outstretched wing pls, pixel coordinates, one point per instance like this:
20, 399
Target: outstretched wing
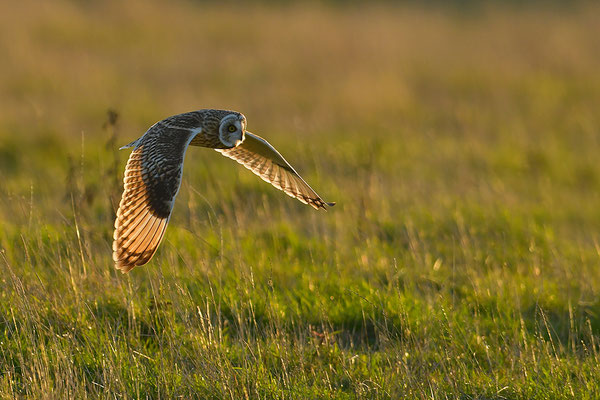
256, 154
151, 183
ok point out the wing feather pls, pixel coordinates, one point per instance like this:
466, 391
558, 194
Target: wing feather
256, 154
151, 182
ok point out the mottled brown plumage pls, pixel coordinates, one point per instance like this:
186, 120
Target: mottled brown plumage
153, 176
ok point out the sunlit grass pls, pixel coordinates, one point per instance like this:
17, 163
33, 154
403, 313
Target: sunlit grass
461, 260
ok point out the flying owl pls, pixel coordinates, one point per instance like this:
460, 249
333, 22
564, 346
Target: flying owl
153, 175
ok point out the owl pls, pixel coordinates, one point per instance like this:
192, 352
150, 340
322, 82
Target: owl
153, 175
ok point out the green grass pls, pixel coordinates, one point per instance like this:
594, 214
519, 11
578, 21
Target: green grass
462, 259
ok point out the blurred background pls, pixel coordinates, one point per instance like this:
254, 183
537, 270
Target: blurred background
459, 139
444, 90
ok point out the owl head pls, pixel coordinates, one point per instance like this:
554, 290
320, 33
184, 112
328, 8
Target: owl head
232, 129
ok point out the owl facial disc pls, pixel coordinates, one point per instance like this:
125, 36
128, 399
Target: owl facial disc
231, 130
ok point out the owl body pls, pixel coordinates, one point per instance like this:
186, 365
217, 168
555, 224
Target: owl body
154, 170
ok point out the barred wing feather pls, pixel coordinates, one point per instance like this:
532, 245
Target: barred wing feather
151, 182
256, 154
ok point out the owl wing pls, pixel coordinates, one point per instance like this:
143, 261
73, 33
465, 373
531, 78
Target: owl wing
256, 154
151, 183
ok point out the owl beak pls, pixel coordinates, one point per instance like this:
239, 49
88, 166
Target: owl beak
240, 140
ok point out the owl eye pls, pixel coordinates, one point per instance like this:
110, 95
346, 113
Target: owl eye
231, 128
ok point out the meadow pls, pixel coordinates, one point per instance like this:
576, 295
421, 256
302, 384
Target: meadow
462, 259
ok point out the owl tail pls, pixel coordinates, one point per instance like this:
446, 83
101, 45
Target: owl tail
132, 144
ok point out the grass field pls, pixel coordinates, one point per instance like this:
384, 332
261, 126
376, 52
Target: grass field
462, 148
